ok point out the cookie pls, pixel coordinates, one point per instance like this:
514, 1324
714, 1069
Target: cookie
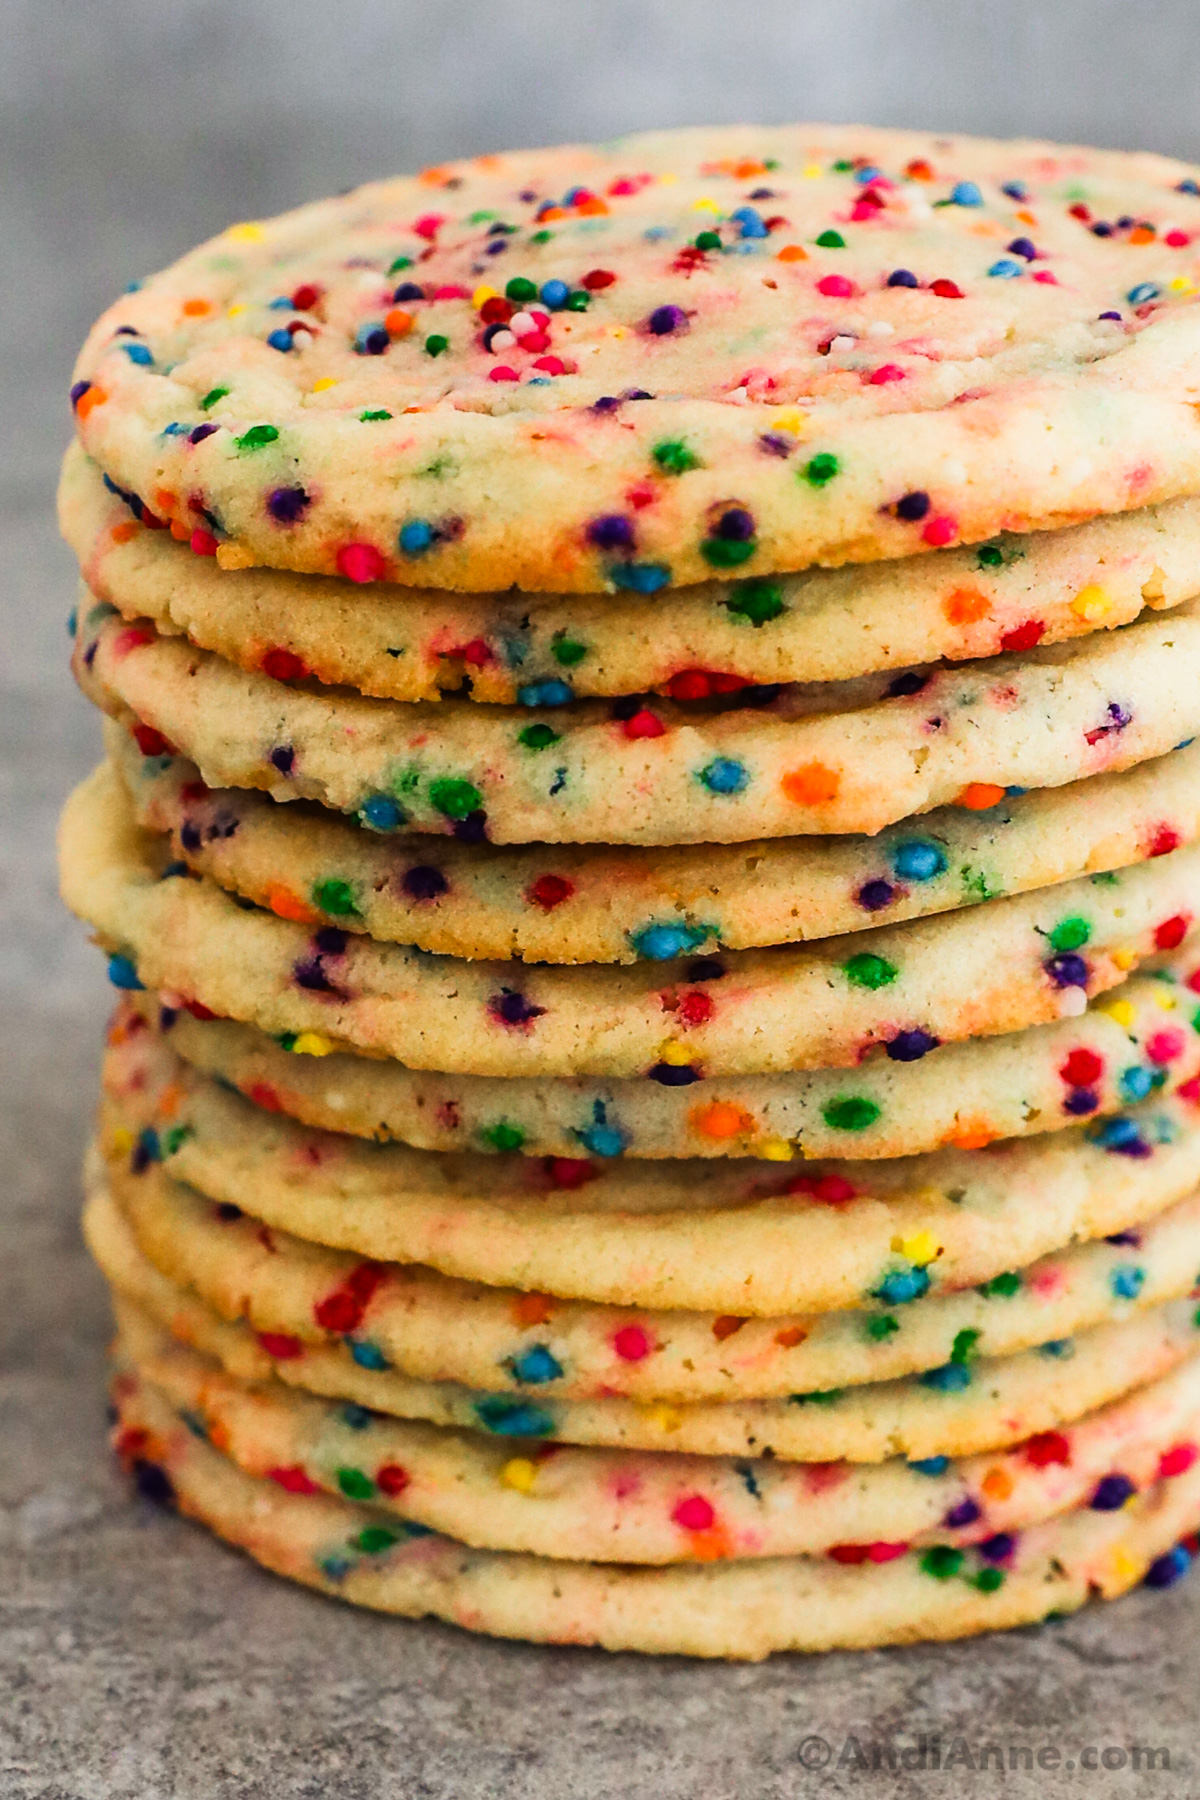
744, 1609
658, 1507
1007, 1398
728, 1238
434, 1329
900, 991
837, 757
744, 349
820, 626
597, 905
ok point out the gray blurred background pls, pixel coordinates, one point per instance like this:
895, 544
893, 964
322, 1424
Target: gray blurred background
136, 1659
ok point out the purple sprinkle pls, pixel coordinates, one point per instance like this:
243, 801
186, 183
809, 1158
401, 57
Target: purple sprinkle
776, 443
1067, 970
605, 404
904, 685
912, 506
78, 391
705, 968
512, 1008
911, 1046
424, 882
200, 432
1132, 1238
1112, 1491
1081, 1101
308, 973
902, 278
965, 1513
1023, 247
287, 504
1111, 315
1166, 1570
190, 836
153, 1483
330, 940
674, 1075
282, 759
999, 1548
611, 532
874, 895
666, 319
735, 524
472, 829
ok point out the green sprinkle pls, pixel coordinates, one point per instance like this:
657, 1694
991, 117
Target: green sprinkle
854, 1112
480, 218
1071, 934
435, 344
823, 467
372, 1540
374, 416
401, 262
882, 1327
578, 300
727, 553
455, 798
257, 438
942, 1561
963, 1348
503, 1136
978, 885
988, 1580
336, 897
568, 651
832, 240
538, 737
866, 970
521, 289
354, 1484
989, 556
674, 457
176, 1138
212, 396
709, 240
820, 1397
1001, 1287
287, 1039
541, 237
843, 166
757, 600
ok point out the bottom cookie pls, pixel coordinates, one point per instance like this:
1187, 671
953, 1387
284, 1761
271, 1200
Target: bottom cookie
737, 1610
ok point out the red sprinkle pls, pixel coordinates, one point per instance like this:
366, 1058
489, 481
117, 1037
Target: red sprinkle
1177, 1461
549, 891
203, 543
595, 279
1082, 1068
644, 724
283, 665
151, 742
1171, 932
946, 290
696, 1009
834, 1190
694, 1513
632, 1343
1024, 637
280, 1345
343, 1309
1047, 1447
391, 1479
293, 1480
360, 562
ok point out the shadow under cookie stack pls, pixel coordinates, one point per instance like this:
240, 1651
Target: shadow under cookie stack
650, 844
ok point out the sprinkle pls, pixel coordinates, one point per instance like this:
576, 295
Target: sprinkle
123, 974
519, 1473
416, 537
536, 1365
811, 785
724, 775
831, 240
436, 344
822, 469
917, 859
965, 193
1145, 290
381, 812
866, 970
665, 320
1111, 1493
1005, 268
850, 1113
311, 1043
257, 438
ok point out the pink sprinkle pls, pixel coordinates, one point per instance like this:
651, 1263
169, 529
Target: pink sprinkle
884, 373
427, 225
1048, 1281
451, 293
1190, 1090
131, 638
942, 530
694, 1513
1165, 1046
551, 365
203, 543
360, 562
1178, 240
1044, 276
1177, 1460
881, 1553
632, 1343
503, 373
534, 340
836, 287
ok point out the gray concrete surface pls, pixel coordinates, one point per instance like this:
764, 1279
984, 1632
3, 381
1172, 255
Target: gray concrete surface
138, 1659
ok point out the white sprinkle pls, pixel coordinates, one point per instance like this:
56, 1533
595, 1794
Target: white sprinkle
1072, 1002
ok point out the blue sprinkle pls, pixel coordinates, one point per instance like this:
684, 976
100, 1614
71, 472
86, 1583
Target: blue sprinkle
140, 354
918, 860
751, 222
951, 1378
1135, 1083
900, 1286
1128, 1281
1145, 290
1016, 190
355, 1416
122, 974
639, 578
280, 303
902, 278
382, 813
1116, 1133
1006, 268
280, 338
371, 340
535, 1365
1166, 1570
335, 1568
545, 693
864, 177
73, 621
724, 775
1187, 186
659, 943
367, 1355
966, 193
554, 294
416, 537
602, 1140
1058, 1347
931, 1465
513, 1418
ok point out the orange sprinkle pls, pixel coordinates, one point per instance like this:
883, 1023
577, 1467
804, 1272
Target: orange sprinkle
181, 532
721, 1119
94, 396
218, 1434
1026, 218
966, 606
790, 1336
792, 253
973, 1135
435, 177
164, 500
289, 906
1141, 235
128, 528
997, 1484
812, 785
710, 1546
726, 1325
588, 208
532, 1309
196, 309
552, 212
977, 796
397, 322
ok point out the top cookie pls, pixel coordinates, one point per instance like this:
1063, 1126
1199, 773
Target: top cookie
618, 368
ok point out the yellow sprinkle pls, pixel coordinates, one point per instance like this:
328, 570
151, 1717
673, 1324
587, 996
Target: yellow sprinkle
518, 1472
675, 1053
250, 232
775, 1150
1165, 999
667, 1418
234, 556
311, 1043
121, 1141
919, 1247
1181, 285
617, 331
482, 293
239, 308
705, 206
1124, 957
1121, 1012
812, 171
326, 382
668, 178
1091, 602
792, 419
1124, 1566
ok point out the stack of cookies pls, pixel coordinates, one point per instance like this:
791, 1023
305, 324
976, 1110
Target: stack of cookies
650, 842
